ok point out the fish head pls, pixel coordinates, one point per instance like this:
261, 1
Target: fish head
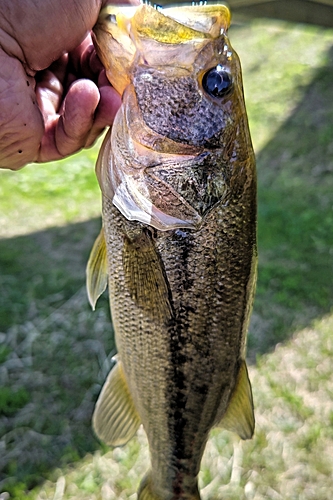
182, 98
124, 34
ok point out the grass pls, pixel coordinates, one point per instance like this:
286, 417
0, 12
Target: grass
55, 353
289, 103
50, 195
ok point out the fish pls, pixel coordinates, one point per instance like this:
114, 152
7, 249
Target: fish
178, 245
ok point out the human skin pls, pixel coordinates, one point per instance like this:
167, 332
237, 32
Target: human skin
54, 95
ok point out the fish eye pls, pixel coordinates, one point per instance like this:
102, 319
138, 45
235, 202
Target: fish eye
217, 82
111, 18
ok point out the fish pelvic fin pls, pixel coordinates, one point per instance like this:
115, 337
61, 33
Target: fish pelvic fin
146, 491
239, 416
115, 419
97, 270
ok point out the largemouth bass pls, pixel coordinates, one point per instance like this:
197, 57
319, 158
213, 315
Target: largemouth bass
177, 175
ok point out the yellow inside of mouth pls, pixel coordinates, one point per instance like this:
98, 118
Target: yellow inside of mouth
172, 25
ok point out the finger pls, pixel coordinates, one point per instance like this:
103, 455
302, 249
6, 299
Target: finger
108, 106
59, 68
67, 133
81, 59
49, 91
47, 28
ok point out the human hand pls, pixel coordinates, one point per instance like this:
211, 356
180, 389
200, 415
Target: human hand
54, 95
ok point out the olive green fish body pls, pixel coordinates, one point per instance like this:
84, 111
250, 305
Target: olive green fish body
179, 223
181, 369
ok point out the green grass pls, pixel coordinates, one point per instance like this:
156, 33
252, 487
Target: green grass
290, 109
55, 353
41, 196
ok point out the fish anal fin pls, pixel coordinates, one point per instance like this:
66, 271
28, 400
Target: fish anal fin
239, 416
115, 419
145, 277
97, 270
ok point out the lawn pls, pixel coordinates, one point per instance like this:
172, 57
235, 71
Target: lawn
55, 352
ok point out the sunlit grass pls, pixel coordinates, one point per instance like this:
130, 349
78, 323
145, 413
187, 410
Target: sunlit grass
279, 60
56, 193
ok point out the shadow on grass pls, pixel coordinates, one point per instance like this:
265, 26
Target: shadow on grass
295, 222
42, 270
55, 353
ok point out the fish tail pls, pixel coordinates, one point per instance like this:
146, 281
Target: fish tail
146, 492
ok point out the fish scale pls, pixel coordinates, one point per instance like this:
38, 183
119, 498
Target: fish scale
170, 119
144, 348
179, 228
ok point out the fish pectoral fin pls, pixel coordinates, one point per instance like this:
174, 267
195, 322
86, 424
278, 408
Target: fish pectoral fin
115, 419
97, 270
145, 278
239, 416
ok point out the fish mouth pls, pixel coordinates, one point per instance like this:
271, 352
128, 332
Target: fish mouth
211, 18
131, 33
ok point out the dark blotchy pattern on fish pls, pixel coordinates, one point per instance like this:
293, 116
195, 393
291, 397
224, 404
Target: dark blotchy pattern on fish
207, 181
185, 115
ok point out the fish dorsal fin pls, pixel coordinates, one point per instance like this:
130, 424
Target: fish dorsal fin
97, 270
239, 416
115, 419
